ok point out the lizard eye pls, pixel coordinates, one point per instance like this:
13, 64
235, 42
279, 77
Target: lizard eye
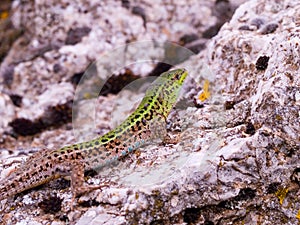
177, 76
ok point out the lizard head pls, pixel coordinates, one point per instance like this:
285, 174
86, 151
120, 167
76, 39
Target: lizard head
177, 75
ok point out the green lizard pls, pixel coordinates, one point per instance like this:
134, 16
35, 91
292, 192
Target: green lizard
141, 127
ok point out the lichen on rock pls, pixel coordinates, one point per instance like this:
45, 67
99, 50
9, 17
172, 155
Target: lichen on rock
237, 156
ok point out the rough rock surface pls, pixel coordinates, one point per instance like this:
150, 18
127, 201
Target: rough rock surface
238, 158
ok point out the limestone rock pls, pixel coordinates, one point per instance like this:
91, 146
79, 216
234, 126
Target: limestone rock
237, 160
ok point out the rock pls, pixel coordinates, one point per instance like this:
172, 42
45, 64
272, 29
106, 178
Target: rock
237, 161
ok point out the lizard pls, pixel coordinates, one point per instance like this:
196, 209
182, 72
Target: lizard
144, 125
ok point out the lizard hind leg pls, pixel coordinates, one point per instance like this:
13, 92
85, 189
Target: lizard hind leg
78, 186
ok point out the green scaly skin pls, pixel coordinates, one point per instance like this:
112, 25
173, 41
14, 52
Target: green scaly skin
141, 127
